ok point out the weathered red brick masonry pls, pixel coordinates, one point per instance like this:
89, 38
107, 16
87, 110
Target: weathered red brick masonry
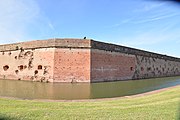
79, 60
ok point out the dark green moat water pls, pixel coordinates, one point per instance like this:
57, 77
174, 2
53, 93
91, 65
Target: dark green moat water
68, 91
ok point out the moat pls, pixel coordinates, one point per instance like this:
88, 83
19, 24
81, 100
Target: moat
68, 91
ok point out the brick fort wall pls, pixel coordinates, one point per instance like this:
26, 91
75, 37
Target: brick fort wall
78, 60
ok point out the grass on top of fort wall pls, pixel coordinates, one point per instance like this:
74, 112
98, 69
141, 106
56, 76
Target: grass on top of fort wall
163, 105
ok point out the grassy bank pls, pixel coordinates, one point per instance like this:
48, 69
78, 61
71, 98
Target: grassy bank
159, 106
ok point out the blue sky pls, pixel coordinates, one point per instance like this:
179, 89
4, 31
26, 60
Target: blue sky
144, 24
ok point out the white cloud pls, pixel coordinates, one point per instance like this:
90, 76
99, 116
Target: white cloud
152, 19
152, 23
150, 11
15, 16
149, 5
51, 26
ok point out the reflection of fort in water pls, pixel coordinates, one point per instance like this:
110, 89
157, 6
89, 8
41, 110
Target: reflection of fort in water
78, 60
68, 91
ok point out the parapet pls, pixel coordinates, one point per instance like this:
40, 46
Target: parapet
82, 43
49, 43
128, 50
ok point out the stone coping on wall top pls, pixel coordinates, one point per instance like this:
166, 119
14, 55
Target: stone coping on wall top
129, 50
48, 43
82, 43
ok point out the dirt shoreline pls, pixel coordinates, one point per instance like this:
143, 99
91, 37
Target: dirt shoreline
95, 100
